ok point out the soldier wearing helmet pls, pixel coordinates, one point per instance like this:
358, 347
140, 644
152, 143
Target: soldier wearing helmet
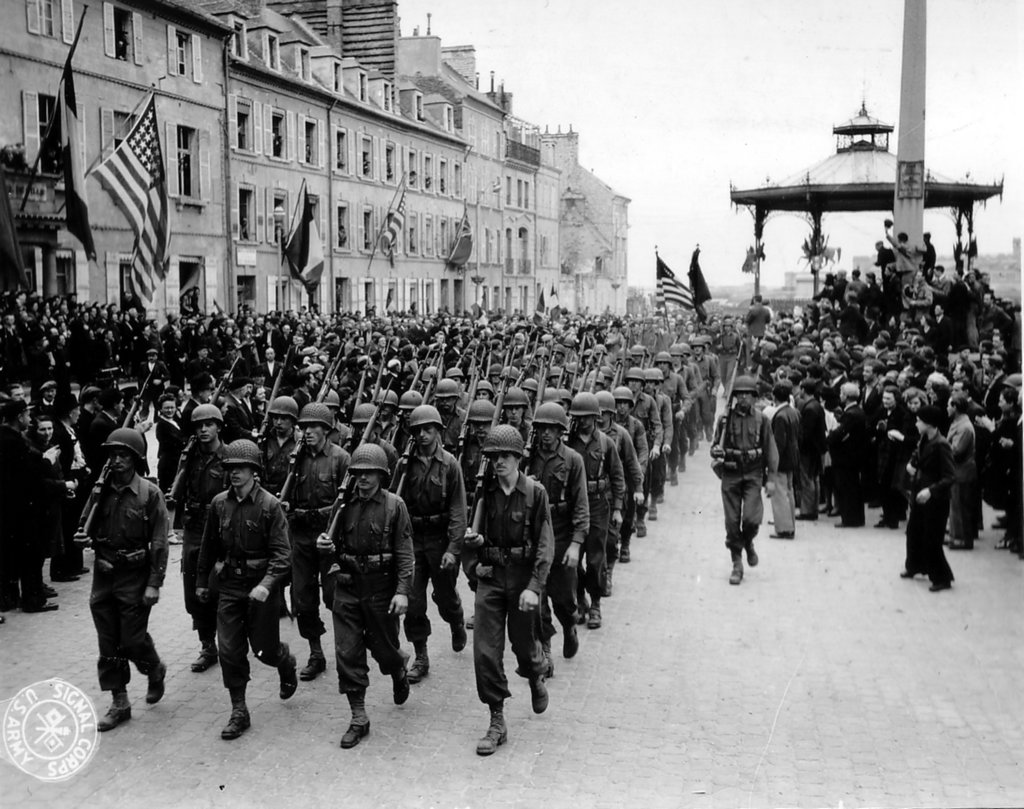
617, 546
560, 471
744, 455
485, 390
510, 560
705, 365
727, 348
340, 433
674, 387
648, 412
372, 549
653, 381
479, 417
205, 478
514, 410
446, 397
606, 488
279, 443
361, 415
245, 546
436, 497
319, 470
130, 540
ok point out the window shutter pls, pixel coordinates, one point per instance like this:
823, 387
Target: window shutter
108, 29
172, 50
113, 277
211, 271
290, 134
197, 59
257, 127
67, 17
137, 37
172, 283
107, 132
172, 159
205, 185
32, 10
268, 196
234, 211
260, 213
350, 140
297, 60
334, 148
30, 124
268, 129
322, 205
300, 134
82, 279
233, 120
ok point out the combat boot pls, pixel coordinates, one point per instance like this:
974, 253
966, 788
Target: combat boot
287, 675
673, 478
641, 527
538, 694
659, 499
360, 724
120, 711
497, 733
549, 671
317, 663
624, 554
207, 656
751, 554
420, 667
652, 510
400, 686
239, 721
459, 637
606, 586
737, 569
157, 675
582, 608
570, 641
594, 617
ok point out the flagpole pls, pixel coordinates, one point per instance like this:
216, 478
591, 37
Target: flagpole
383, 224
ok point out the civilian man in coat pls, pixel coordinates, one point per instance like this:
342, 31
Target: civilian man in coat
846, 445
786, 427
812, 448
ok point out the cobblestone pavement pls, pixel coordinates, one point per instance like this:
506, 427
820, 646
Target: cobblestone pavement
824, 679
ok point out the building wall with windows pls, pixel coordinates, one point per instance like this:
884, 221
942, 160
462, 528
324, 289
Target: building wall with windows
126, 50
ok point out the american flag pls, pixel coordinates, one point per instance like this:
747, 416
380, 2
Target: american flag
395, 224
134, 176
670, 289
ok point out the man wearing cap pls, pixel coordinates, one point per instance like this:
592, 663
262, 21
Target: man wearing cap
932, 473
744, 456
435, 494
510, 560
107, 420
205, 478
201, 390
156, 372
129, 535
47, 399
319, 471
372, 553
243, 562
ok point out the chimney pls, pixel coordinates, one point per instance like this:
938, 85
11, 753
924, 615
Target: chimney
477, 80
416, 31
462, 59
492, 81
428, 23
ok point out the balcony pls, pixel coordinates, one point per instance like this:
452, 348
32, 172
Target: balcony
522, 154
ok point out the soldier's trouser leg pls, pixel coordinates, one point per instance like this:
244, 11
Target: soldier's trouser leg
497, 605
628, 523
707, 416
361, 623
692, 427
753, 508
204, 616
641, 510
594, 547
444, 595
243, 623
658, 476
783, 501
309, 572
559, 594
122, 623
732, 507
676, 453
809, 490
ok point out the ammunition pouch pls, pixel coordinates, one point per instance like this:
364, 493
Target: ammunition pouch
503, 556
243, 568
429, 523
365, 563
110, 560
597, 486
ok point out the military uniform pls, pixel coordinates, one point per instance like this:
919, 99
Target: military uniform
706, 368
648, 413
276, 461
680, 399
638, 437
634, 477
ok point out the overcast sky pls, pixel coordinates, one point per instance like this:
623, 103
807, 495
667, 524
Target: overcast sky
675, 99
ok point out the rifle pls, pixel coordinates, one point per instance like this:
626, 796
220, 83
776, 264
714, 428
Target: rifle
474, 380
173, 495
329, 374
87, 520
531, 443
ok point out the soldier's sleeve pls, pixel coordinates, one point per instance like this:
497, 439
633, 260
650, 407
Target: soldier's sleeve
279, 547
615, 474
631, 464
544, 537
401, 547
643, 453
576, 481
685, 398
159, 525
667, 421
659, 433
456, 507
210, 544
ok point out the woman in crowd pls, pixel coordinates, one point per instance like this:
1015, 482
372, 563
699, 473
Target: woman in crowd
963, 522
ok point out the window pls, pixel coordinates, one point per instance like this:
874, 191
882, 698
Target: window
246, 220
340, 150
389, 162
243, 127
449, 119
272, 54
526, 194
519, 193
412, 164
412, 242
428, 235
65, 275
443, 235
386, 93
362, 86
280, 204
419, 107
50, 161
277, 134
123, 123
239, 46
367, 229
442, 180
428, 172
188, 162
508, 190
342, 226
302, 66
122, 34
312, 142
44, 8
338, 77
457, 180
366, 157
182, 52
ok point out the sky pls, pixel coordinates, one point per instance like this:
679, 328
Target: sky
676, 99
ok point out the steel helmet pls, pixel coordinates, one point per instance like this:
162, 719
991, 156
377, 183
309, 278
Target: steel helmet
455, 372
515, 397
676, 350
504, 438
369, 458
284, 406
410, 400
554, 372
530, 384
623, 394
243, 452
316, 413
446, 389
744, 384
584, 404
486, 387
638, 350
207, 412
551, 413
332, 400
362, 413
565, 397
572, 367
605, 401
387, 397
635, 374
128, 438
429, 373
653, 375
495, 369
551, 395
424, 415
684, 349
662, 356
480, 410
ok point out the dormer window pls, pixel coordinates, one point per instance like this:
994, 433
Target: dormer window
418, 106
272, 52
239, 45
338, 77
449, 118
386, 93
362, 87
302, 67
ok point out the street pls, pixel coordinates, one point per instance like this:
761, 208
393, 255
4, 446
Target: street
823, 680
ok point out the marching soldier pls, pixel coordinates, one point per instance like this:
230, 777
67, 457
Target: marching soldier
130, 540
319, 470
606, 486
646, 410
204, 479
279, 443
245, 547
436, 497
373, 549
625, 419
674, 386
744, 454
653, 380
361, 415
706, 365
559, 470
513, 410
618, 537
446, 395
511, 565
